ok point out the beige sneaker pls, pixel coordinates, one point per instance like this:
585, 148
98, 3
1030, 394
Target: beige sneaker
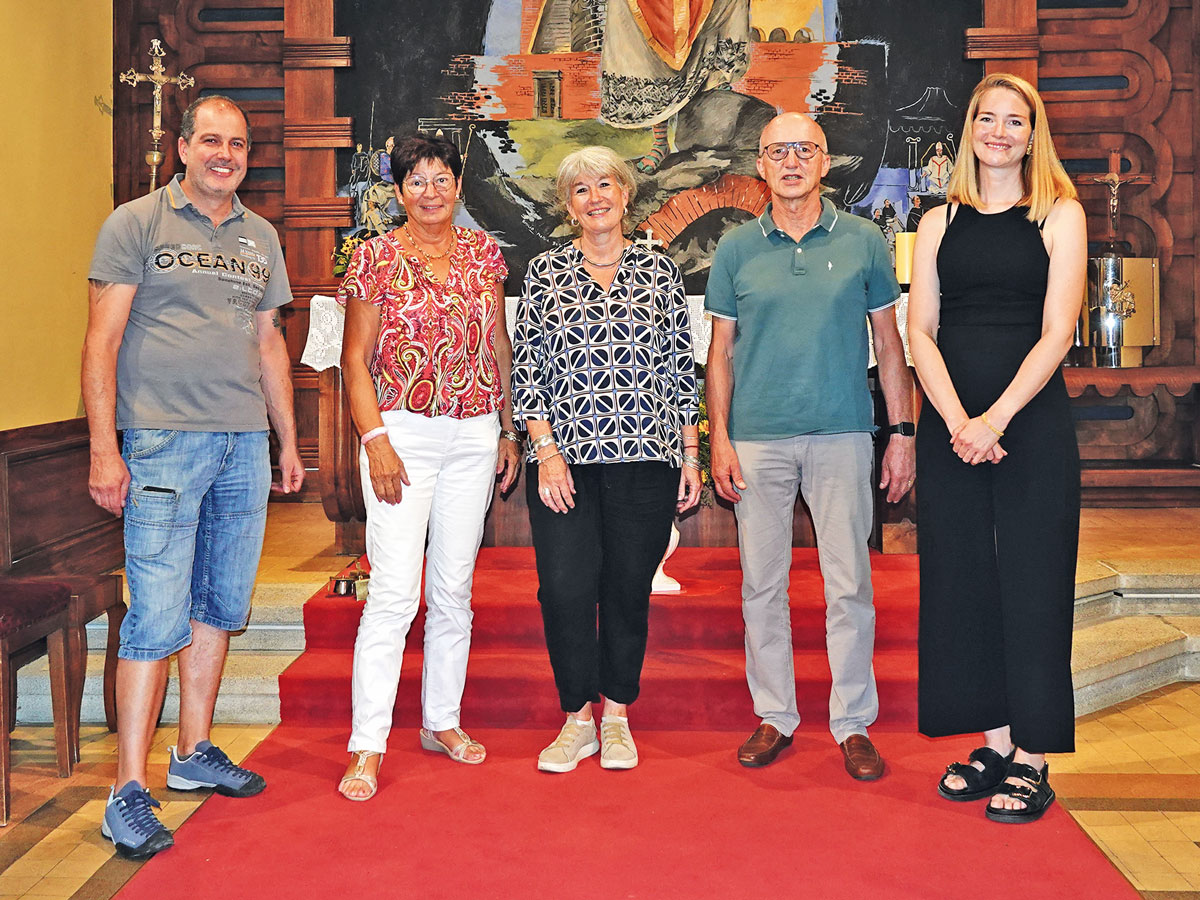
619, 751
576, 741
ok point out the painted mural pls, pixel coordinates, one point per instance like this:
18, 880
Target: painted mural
682, 88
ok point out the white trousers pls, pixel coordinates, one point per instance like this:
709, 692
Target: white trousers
451, 465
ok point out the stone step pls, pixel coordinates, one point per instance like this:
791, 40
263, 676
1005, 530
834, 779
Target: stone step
249, 690
276, 620
1117, 658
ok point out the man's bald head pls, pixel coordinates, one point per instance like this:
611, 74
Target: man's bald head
792, 126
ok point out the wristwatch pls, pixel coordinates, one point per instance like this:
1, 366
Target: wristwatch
908, 429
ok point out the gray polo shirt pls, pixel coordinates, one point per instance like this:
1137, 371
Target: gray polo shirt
189, 358
800, 351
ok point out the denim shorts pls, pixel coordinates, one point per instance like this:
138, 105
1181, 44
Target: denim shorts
194, 522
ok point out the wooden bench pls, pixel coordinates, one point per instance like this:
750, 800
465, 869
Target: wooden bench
49, 526
32, 613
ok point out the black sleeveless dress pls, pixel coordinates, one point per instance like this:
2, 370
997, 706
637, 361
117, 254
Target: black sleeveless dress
998, 543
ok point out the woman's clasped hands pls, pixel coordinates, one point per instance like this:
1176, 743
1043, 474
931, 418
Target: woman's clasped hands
978, 440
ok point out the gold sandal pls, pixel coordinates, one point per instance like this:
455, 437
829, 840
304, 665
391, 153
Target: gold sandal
360, 774
429, 741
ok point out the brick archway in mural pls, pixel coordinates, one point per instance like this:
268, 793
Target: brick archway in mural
727, 192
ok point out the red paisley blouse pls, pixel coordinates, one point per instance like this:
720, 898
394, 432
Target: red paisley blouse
436, 350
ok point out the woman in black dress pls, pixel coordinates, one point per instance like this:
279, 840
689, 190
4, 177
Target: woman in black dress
997, 284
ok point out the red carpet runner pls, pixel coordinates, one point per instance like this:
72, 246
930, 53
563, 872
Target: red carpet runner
689, 822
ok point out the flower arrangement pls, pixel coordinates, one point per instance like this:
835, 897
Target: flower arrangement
341, 256
707, 495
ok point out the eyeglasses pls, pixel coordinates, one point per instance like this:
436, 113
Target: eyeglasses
779, 150
442, 183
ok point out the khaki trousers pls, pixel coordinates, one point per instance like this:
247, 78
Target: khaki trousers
833, 473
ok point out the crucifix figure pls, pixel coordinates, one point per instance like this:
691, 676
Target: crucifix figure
158, 77
1114, 179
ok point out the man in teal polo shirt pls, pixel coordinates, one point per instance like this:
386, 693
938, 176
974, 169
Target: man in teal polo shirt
790, 293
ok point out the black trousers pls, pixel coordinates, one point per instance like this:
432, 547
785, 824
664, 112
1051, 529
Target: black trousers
595, 565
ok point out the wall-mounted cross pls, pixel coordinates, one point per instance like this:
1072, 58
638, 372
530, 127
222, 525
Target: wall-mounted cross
158, 77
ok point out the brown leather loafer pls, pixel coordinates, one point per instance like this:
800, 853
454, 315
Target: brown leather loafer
763, 746
862, 759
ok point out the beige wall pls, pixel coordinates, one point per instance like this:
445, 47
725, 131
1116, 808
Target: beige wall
56, 93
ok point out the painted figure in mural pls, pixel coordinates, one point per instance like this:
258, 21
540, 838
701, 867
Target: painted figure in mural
808, 426
185, 355
381, 162
997, 278
915, 212
360, 172
426, 358
602, 485
658, 54
889, 215
375, 210
937, 170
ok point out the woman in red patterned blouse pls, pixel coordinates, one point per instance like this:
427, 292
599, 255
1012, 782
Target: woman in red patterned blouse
426, 360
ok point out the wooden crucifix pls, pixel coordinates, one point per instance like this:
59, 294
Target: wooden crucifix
158, 77
1114, 179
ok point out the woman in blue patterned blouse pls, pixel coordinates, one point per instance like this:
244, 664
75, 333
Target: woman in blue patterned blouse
604, 377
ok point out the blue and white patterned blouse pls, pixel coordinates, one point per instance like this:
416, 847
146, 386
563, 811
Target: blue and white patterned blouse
612, 372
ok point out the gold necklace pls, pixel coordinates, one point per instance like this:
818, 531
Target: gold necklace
428, 257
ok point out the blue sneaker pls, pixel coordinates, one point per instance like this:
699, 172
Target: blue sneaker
130, 823
209, 767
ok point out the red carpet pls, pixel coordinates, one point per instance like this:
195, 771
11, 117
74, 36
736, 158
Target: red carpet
689, 822
695, 649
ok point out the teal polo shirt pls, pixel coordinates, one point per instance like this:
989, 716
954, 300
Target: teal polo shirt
800, 349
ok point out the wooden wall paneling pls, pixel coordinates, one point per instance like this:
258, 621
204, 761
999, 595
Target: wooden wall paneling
312, 133
1008, 39
219, 55
1153, 44
48, 522
1152, 120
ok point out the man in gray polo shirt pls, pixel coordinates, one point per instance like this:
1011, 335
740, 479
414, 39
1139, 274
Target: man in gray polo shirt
185, 356
790, 293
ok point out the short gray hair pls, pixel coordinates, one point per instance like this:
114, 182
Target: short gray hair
594, 162
187, 125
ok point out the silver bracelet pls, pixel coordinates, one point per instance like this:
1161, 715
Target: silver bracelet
692, 461
541, 459
510, 436
541, 442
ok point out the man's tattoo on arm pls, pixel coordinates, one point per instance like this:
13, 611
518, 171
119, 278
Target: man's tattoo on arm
101, 287
275, 320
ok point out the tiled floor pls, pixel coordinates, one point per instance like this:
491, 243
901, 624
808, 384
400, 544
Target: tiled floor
1133, 784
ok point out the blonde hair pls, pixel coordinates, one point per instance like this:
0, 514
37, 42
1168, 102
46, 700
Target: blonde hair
593, 162
1043, 178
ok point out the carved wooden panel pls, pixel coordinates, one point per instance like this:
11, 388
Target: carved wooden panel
1124, 77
